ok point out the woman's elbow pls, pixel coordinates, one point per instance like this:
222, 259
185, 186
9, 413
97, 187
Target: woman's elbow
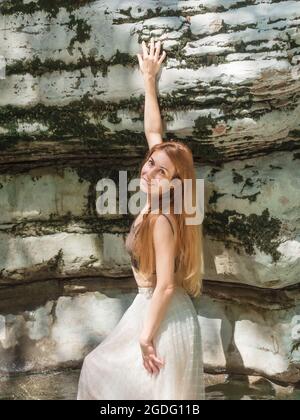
168, 289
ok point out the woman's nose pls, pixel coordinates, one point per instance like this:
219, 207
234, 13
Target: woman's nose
150, 173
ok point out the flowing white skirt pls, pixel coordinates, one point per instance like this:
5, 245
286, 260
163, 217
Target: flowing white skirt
114, 370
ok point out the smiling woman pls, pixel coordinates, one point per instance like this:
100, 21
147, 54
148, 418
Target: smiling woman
155, 351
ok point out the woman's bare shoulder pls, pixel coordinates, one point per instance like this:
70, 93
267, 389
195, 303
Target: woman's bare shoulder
166, 222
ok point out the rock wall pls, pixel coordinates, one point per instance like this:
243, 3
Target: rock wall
71, 113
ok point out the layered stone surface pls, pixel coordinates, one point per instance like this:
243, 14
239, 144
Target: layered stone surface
71, 113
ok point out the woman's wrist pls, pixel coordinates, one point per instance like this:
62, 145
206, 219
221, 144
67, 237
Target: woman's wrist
144, 341
149, 78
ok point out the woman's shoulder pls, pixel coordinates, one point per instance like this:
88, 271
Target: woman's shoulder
165, 220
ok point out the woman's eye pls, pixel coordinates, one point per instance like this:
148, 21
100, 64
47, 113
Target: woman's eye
161, 171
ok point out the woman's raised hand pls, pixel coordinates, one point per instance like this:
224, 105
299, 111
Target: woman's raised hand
150, 61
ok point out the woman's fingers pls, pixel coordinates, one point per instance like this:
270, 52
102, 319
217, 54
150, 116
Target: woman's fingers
158, 361
154, 368
148, 367
152, 47
151, 366
140, 60
145, 49
157, 51
163, 56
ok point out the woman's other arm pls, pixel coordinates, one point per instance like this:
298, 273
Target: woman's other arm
164, 244
150, 64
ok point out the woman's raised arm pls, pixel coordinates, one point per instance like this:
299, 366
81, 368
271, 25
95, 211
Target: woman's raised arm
150, 63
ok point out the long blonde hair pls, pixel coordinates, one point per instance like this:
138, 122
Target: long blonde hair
189, 237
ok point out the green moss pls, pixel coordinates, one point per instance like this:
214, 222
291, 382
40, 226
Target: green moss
206, 152
248, 183
13, 137
36, 67
183, 99
240, 46
227, 28
57, 262
160, 12
239, 231
187, 99
167, 117
113, 118
275, 167
66, 218
215, 196
83, 31
291, 145
92, 174
251, 197
51, 7
127, 136
292, 42
17, 6
72, 120
296, 156
165, 12
176, 51
197, 61
149, 14
203, 126
242, 3
61, 123
237, 178
89, 222
68, 223
177, 100
295, 347
126, 12
36, 178
124, 59
211, 175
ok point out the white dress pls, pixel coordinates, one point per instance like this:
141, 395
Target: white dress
114, 370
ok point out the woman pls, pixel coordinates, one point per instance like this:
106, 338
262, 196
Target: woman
155, 351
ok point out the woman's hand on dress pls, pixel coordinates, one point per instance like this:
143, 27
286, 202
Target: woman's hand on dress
150, 61
150, 360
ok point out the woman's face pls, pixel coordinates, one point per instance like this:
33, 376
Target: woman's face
157, 173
